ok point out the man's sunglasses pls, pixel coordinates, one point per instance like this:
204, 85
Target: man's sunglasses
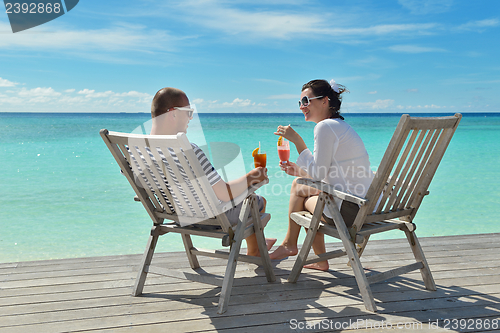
306, 100
186, 109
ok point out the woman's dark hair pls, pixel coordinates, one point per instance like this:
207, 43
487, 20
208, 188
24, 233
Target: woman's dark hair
323, 88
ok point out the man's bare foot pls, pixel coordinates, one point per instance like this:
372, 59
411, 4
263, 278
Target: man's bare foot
283, 251
320, 266
270, 242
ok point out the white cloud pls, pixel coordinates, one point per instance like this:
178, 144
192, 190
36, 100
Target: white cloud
297, 21
238, 102
7, 83
86, 91
479, 25
135, 94
197, 101
372, 92
422, 7
92, 94
11, 100
414, 49
237, 105
424, 107
118, 38
379, 104
39, 92
385, 29
87, 100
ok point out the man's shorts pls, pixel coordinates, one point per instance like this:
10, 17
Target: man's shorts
234, 213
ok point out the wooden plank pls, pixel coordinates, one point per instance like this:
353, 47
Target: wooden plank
466, 275
394, 272
329, 308
431, 244
449, 256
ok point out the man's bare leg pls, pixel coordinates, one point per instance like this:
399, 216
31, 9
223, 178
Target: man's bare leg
253, 247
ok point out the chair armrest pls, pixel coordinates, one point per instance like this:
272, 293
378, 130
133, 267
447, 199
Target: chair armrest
227, 205
322, 186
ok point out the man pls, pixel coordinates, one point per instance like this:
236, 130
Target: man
171, 113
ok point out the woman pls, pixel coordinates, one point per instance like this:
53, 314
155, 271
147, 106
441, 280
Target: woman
339, 159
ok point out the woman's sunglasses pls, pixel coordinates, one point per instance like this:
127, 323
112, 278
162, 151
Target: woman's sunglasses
306, 100
186, 109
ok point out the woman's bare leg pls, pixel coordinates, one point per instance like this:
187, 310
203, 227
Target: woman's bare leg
298, 194
319, 240
252, 246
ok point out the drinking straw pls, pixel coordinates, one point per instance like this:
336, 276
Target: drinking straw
259, 147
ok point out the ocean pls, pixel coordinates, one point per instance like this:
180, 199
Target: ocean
62, 194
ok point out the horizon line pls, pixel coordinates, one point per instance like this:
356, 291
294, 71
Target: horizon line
298, 113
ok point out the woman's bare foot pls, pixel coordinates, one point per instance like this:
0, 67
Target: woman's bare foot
284, 251
320, 266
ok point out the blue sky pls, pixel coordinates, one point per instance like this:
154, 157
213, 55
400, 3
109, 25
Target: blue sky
254, 56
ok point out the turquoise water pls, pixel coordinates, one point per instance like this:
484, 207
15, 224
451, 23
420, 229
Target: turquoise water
63, 195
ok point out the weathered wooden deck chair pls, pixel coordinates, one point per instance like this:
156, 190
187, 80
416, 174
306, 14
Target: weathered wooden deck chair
391, 202
168, 179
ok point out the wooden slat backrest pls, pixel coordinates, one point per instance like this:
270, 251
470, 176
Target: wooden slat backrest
116, 145
408, 166
161, 179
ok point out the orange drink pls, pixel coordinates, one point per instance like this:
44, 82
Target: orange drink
259, 158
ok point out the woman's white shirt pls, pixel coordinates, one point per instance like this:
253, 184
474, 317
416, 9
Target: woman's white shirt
339, 159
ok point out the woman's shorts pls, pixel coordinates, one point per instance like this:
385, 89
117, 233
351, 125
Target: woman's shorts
348, 210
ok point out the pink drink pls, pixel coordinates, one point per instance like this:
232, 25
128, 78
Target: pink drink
284, 154
284, 151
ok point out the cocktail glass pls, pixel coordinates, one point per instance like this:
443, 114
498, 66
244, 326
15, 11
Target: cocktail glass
260, 159
284, 150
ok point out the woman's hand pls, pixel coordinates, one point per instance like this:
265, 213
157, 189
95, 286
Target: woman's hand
289, 133
292, 169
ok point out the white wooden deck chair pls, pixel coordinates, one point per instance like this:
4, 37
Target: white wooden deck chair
168, 179
391, 202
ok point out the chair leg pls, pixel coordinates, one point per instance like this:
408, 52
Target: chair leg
352, 254
146, 261
360, 248
227, 283
303, 253
188, 245
306, 247
261, 241
419, 256
359, 274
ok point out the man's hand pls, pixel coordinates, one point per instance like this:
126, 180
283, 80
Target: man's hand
256, 176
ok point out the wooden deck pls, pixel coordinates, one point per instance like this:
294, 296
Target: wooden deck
93, 294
